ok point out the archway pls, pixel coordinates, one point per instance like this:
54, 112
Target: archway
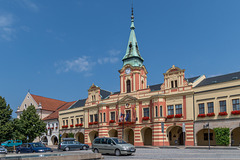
175, 135
129, 135
54, 140
65, 135
79, 137
202, 137
93, 135
113, 133
146, 136
235, 137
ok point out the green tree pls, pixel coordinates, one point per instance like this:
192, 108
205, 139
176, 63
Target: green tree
222, 136
6, 124
29, 124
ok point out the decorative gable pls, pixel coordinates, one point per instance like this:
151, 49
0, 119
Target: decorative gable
174, 78
93, 93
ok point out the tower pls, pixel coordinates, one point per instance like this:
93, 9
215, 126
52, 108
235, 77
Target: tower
133, 75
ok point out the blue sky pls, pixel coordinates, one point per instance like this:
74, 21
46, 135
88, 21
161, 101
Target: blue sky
58, 48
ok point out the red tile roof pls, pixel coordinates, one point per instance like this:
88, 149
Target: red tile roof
55, 114
48, 104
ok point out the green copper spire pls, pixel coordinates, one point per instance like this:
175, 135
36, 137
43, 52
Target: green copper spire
132, 55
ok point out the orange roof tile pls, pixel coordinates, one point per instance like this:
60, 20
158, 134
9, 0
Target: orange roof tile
55, 114
48, 103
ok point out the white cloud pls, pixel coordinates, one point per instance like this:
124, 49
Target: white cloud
107, 60
81, 64
111, 59
30, 5
114, 52
6, 29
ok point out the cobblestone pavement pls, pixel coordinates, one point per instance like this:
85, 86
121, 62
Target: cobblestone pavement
171, 154
195, 154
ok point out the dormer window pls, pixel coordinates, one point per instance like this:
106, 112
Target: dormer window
172, 84
176, 84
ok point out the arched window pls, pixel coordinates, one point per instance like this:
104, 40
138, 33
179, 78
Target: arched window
128, 86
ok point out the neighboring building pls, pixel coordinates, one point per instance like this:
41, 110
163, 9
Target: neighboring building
44, 106
51, 137
216, 102
47, 109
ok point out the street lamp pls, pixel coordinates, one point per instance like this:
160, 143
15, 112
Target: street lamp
207, 126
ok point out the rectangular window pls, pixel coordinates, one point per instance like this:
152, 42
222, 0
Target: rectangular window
176, 83
178, 109
63, 122
91, 118
72, 121
113, 116
66, 122
128, 115
146, 112
96, 117
206, 136
161, 111
170, 110
201, 108
235, 103
104, 117
210, 107
77, 120
223, 107
156, 111
81, 120
100, 117
172, 84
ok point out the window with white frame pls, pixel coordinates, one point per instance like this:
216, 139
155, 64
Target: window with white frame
210, 107
170, 110
156, 111
96, 117
100, 120
81, 120
66, 122
146, 112
113, 116
235, 103
178, 108
161, 111
104, 117
63, 122
91, 118
77, 120
223, 107
201, 108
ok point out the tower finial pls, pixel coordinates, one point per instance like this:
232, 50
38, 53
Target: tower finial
132, 11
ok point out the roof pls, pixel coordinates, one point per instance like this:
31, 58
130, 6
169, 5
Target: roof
191, 80
219, 79
155, 87
55, 114
104, 94
79, 103
48, 103
132, 55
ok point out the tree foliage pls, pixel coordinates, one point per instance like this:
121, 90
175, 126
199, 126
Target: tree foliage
6, 124
70, 135
29, 124
222, 136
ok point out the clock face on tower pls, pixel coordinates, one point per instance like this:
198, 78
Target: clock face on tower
128, 70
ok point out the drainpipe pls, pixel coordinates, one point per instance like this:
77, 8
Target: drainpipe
193, 120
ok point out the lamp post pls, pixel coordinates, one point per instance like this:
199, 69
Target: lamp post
123, 127
207, 126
